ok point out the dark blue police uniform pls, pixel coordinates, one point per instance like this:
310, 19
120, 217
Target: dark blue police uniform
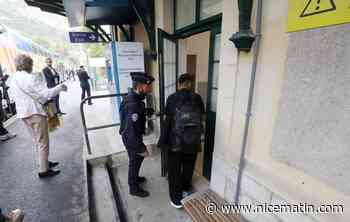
133, 135
134, 128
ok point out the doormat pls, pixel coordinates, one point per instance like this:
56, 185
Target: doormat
207, 207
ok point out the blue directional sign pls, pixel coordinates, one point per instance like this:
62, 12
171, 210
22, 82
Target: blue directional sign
83, 37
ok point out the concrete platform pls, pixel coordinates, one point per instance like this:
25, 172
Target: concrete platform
156, 207
107, 148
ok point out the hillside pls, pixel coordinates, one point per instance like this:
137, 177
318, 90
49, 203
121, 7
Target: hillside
32, 22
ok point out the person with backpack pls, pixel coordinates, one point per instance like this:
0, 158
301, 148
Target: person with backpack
132, 128
181, 136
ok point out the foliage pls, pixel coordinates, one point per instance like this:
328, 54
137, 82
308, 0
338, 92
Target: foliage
96, 50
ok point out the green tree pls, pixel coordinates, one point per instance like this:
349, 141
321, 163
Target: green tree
96, 50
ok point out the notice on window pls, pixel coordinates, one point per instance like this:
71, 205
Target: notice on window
130, 58
310, 14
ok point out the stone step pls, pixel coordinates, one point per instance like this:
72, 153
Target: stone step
104, 203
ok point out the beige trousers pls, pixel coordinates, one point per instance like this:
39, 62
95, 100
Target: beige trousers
37, 125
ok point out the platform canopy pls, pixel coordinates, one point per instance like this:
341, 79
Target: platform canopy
94, 13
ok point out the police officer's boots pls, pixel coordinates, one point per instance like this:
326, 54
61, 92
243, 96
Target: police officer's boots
139, 192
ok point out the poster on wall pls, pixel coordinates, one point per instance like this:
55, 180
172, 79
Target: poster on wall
310, 14
130, 58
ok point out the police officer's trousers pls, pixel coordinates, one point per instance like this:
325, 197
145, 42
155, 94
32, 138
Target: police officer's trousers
135, 162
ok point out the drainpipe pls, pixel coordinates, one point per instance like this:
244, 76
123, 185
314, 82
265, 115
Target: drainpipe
250, 99
244, 38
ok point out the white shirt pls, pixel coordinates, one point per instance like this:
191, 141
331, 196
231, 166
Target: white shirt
35, 93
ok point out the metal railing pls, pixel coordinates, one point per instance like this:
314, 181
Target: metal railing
87, 129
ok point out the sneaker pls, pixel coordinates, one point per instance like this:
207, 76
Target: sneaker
7, 136
53, 164
11, 135
176, 205
186, 194
15, 216
141, 180
140, 193
49, 173
3, 137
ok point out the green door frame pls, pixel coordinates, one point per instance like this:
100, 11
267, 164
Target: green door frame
161, 36
211, 116
214, 26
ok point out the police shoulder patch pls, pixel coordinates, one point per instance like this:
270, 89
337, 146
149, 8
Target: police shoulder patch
134, 117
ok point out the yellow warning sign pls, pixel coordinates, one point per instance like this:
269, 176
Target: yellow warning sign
308, 14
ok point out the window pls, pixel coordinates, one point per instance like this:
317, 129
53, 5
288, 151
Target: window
188, 12
185, 13
169, 68
215, 74
209, 8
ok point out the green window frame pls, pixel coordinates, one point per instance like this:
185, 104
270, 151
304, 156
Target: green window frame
197, 17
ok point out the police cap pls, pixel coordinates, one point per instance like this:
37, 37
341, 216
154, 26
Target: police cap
141, 77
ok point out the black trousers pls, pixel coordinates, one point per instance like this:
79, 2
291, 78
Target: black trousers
135, 162
57, 102
180, 172
85, 89
3, 131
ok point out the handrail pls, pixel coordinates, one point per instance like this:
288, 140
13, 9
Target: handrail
86, 129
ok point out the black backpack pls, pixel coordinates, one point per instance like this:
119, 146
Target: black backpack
188, 127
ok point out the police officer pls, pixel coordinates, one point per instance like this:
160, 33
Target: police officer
133, 124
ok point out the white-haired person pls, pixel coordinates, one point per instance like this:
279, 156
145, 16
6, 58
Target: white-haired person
30, 94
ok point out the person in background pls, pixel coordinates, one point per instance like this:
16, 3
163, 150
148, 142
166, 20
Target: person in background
13, 216
30, 95
72, 73
52, 80
133, 124
84, 83
181, 137
4, 134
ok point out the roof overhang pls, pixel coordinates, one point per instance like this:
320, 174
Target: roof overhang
89, 12
109, 12
51, 6
94, 13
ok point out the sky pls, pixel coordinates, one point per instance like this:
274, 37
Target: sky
35, 13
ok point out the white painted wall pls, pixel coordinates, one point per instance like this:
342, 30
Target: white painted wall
262, 173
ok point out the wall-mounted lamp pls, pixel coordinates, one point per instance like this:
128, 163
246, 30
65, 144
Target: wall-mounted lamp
244, 38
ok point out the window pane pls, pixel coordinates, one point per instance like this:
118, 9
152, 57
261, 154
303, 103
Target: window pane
169, 67
215, 79
210, 8
217, 47
213, 100
185, 13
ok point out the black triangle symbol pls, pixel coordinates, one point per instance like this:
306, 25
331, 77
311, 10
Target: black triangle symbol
305, 13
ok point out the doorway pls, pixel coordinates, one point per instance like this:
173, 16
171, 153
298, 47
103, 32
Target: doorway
199, 55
